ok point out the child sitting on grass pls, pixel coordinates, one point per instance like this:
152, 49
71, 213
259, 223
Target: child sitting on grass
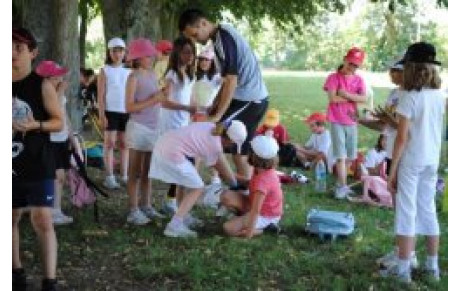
272, 127
264, 205
318, 145
375, 162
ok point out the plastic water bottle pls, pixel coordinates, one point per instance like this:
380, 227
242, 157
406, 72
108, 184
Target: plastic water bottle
320, 177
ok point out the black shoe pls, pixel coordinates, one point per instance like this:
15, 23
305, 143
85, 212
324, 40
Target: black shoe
273, 228
49, 285
19, 280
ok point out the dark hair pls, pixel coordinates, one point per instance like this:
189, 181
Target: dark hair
210, 73
108, 59
87, 72
190, 17
260, 163
320, 123
340, 67
24, 35
419, 75
174, 59
379, 147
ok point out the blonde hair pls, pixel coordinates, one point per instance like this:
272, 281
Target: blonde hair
419, 75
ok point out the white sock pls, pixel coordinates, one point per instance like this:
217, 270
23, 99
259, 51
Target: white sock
432, 262
403, 266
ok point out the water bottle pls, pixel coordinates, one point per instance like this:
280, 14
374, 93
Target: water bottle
320, 177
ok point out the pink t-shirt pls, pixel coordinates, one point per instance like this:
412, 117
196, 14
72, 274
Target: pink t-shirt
345, 113
268, 183
194, 140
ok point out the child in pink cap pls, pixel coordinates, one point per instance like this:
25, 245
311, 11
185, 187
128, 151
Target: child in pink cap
61, 139
345, 89
143, 102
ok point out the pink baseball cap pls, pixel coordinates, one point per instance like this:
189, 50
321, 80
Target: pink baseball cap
164, 46
355, 56
207, 53
140, 48
50, 69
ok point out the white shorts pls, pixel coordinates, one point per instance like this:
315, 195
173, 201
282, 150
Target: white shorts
183, 174
415, 201
140, 137
263, 221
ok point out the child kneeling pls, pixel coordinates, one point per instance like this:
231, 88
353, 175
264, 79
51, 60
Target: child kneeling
264, 205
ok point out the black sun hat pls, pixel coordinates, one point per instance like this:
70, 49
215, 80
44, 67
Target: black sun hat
421, 52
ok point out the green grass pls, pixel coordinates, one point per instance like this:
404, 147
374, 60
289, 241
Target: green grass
141, 258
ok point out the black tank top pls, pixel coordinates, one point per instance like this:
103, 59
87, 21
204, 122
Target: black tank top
33, 158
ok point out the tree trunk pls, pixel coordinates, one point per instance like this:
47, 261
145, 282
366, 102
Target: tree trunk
113, 18
83, 30
65, 41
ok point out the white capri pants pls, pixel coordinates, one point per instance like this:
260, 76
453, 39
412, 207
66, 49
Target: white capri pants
415, 201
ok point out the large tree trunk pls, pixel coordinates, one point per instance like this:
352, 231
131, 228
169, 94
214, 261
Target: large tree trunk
65, 43
83, 29
113, 18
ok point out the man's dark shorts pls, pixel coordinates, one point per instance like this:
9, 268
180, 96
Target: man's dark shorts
116, 121
251, 116
33, 193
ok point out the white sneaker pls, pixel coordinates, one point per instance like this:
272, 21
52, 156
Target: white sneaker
137, 217
216, 180
432, 273
178, 230
169, 206
391, 259
393, 272
222, 211
110, 183
211, 196
124, 181
341, 192
60, 218
151, 213
192, 221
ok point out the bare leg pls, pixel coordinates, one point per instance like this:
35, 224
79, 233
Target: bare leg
124, 155
341, 172
109, 144
43, 226
405, 245
133, 173
145, 182
17, 213
233, 200
432, 245
188, 201
58, 185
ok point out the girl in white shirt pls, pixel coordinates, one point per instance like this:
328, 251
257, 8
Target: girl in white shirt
415, 162
375, 157
111, 86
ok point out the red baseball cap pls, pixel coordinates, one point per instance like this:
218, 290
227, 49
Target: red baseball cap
316, 117
50, 69
355, 56
164, 46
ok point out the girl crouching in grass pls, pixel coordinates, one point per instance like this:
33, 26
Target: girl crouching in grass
264, 205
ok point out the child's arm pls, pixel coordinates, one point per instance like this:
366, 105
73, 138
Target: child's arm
173, 105
352, 97
400, 144
250, 224
224, 170
334, 97
131, 105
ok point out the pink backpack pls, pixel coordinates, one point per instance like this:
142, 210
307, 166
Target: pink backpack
81, 194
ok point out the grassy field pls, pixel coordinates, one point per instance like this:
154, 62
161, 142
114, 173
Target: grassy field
112, 255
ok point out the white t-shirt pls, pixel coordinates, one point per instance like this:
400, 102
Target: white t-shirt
373, 158
116, 79
214, 85
388, 131
425, 110
181, 92
320, 142
63, 134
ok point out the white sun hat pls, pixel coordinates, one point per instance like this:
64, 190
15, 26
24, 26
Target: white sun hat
237, 132
116, 42
264, 147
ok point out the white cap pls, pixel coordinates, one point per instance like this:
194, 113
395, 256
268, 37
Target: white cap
265, 147
116, 42
237, 132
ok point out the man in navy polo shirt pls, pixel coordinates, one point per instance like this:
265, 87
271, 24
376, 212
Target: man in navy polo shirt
243, 89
